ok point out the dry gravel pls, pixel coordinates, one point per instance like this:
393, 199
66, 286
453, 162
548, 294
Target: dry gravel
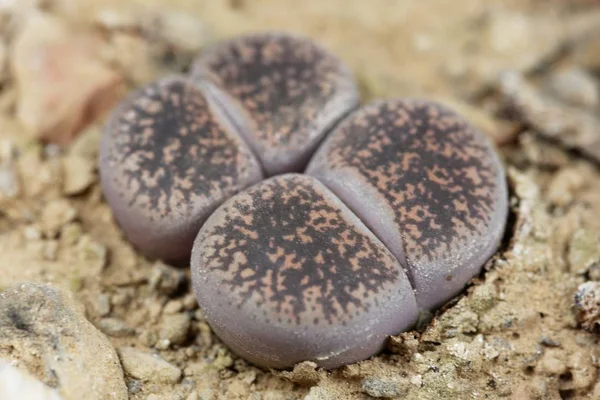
518, 332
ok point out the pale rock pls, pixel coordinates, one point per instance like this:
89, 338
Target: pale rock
115, 327
32, 232
50, 250
304, 374
61, 83
92, 252
55, 215
509, 31
181, 31
417, 380
148, 367
319, 393
71, 233
575, 86
193, 396
165, 279
113, 19
173, 307
189, 302
132, 55
377, 388
46, 331
16, 384
9, 183
100, 305
3, 61
584, 251
78, 174
490, 352
86, 144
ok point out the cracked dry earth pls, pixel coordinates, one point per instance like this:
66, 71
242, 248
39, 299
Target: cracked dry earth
97, 321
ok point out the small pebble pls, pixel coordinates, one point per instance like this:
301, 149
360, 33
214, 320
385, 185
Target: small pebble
564, 187
193, 396
101, 304
9, 184
575, 86
490, 352
55, 215
78, 174
149, 338
71, 233
173, 307
582, 369
587, 305
134, 386
304, 373
3, 59
189, 302
32, 232
584, 251
115, 327
148, 367
208, 394
50, 250
553, 362
93, 252
120, 298
319, 393
181, 32
549, 342
417, 380
154, 307
175, 328
162, 344
377, 388
166, 280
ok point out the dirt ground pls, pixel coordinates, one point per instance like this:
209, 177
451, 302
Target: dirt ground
527, 73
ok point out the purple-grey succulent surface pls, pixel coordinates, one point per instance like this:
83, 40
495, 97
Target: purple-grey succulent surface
402, 204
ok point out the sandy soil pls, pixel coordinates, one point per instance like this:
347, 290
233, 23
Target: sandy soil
526, 72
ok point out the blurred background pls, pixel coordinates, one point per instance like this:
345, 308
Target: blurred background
439, 48
526, 72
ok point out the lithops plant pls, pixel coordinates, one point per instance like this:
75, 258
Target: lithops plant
428, 185
290, 271
177, 148
400, 206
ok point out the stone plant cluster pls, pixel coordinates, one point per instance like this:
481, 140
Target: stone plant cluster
316, 227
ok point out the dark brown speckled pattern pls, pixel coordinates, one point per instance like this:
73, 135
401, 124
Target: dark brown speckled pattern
405, 204
287, 90
288, 255
166, 163
428, 185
